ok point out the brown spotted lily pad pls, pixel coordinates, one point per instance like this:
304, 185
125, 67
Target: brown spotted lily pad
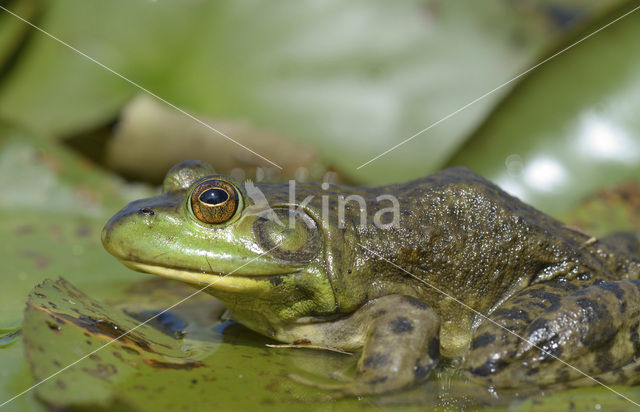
172, 362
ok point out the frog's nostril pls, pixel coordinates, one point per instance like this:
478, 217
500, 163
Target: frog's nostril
145, 211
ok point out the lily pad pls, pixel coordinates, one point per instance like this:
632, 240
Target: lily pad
571, 127
52, 209
13, 31
142, 367
350, 78
15, 377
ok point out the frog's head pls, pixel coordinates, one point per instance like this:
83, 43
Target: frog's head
263, 259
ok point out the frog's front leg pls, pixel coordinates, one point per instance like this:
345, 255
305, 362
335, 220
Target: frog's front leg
400, 346
590, 329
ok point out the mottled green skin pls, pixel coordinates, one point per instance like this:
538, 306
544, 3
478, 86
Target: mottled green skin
407, 295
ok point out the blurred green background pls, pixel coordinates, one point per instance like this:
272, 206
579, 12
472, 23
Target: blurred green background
318, 88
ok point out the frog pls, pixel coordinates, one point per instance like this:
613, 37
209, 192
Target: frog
458, 272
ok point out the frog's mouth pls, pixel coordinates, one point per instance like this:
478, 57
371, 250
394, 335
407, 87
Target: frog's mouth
228, 282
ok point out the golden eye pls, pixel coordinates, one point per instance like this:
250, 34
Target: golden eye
214, 201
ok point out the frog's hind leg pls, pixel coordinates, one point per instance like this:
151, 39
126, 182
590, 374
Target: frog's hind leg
564, 331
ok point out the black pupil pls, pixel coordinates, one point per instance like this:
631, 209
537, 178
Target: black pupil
214, 196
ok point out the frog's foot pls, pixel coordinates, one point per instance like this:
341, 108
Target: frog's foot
564, 333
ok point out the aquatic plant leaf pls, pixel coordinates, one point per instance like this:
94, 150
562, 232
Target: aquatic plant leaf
13, 31
571, 127
52, 209
147, 369
186, 359
349, 78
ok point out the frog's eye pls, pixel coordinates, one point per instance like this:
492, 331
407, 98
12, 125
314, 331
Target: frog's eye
214, 201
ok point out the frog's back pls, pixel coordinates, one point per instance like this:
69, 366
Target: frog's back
467, 237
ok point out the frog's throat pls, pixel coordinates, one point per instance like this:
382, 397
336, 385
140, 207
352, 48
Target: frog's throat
218, 281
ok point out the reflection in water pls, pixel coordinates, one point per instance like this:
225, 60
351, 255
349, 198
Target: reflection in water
601, 138
544, 173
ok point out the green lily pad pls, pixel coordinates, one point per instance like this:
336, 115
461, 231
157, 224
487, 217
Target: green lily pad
13, 31
57, 314
53, 206
350, 78
52, 210
571, 127
15, 377
150, 367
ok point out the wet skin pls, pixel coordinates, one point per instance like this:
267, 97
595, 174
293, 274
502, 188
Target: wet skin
343, 284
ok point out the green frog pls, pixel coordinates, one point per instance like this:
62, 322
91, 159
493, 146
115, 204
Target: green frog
446, 267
